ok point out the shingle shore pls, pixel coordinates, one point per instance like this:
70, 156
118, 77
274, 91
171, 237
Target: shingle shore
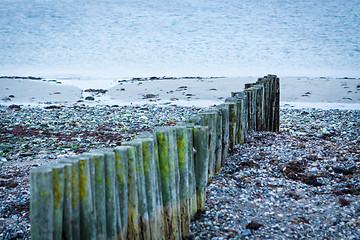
266, 180
301, 183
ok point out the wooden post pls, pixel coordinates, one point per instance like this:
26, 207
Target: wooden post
191, 169
167, 160
218, 140
72, 222
183, 148
133, 228
42, 203
201, 139
277, 103
267, 105
242, 131
87, 202
260, 110
97, 171
152, 186
210, 120
143, 208
159, 200
111, 198
233, 121
121, 170
67, 209
224, 109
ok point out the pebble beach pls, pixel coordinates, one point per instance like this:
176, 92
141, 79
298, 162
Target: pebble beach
300, 183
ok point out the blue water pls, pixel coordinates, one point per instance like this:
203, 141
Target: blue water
125, 38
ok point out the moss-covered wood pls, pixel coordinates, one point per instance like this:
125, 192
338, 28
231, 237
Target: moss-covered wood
72, 222
41, 204
133, 228
141, 187
224, 109
233, 121
183, 148
67, 209
121, 170
169, 180
152, 186
87, 202
111, 198
97, 171
210, 120
201, 160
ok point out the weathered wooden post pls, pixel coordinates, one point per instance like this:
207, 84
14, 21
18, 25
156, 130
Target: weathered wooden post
249, 91
42, 203
58, 192
191, 169
67, 209
233, 121
72, 208
143, 208
260, 110
183, 148
218, 140
121, 170
97, 171
243, 118
265, 83
201, 139
111, 199
168, 160
277, 103
88, 219
224, 109
152, 186
210, 120
133, 228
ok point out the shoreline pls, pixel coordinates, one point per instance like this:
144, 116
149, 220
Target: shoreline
296, 92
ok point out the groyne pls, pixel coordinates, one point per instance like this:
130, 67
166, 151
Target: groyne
150, 187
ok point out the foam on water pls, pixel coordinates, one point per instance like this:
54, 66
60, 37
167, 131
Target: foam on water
110, 38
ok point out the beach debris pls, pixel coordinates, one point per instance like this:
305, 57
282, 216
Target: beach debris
6, 99
149, 95
344, 170
11, 96
15, 107
90, 98
57, 93
96, 91
53, 107
254, 225
344, 202
17, 77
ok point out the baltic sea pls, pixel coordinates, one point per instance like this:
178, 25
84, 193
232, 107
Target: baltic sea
81, 39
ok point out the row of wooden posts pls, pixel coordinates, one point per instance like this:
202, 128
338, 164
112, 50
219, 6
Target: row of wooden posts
150, 187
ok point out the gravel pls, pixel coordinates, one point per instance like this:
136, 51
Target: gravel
301, 183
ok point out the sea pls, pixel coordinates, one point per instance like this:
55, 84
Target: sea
102, 39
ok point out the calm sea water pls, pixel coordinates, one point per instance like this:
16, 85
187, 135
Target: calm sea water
126, 38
